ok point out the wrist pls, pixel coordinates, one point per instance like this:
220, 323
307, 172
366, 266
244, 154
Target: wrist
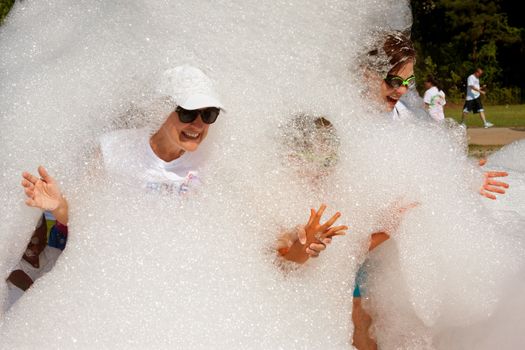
62, 203
61, 211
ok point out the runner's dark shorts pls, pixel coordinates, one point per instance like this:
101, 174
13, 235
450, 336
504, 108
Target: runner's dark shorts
474, 106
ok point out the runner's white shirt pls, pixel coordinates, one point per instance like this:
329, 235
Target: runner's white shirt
472, 81
435, 98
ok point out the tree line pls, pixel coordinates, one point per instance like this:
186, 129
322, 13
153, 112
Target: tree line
5, 6
453, 37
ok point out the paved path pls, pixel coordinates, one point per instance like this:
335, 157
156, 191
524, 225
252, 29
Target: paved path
494, 136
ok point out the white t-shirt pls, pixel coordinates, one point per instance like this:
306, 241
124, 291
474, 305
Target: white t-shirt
128, 154
47, 260
435, 98
472, 81
400, 112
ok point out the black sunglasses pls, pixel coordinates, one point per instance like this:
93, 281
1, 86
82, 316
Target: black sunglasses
208, 115
396, 82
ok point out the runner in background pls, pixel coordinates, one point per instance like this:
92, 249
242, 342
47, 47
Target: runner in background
434, 99
473, 100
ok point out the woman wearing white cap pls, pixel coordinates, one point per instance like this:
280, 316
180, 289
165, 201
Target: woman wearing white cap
163, 161
168, 160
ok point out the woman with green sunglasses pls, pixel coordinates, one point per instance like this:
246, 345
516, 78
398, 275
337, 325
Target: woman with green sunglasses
389, 69
390, 62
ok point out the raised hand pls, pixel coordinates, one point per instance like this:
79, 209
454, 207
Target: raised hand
42, 192
491, 185
316, 233
309, 240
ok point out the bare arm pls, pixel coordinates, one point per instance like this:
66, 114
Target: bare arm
394, 217
376, 239
20, 279
480, 90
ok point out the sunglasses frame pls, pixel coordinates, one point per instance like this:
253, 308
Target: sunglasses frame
190, 115
409, 82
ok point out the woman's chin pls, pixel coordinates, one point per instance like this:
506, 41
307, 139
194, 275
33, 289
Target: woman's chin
391, 103
190, 146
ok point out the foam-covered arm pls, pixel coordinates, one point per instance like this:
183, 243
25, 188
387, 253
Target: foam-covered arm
20, 279
376, 239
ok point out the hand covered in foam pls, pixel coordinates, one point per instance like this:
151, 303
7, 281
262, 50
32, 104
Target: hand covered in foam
309, 240
392, 218
491, 185
42, 192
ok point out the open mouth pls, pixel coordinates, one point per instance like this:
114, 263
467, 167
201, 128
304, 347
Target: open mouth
392, 99
191, 135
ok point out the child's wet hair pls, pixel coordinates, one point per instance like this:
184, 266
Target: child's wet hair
311, 140
388, 52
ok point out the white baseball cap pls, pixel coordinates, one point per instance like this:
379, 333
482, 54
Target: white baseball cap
189, 87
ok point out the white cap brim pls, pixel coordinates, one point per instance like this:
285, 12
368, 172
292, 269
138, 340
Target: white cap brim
198, 101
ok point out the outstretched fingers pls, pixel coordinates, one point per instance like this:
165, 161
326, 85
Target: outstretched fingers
410, 206
331, 221
29, 192
320, 213
312, 217
30, 202
494, 189
27, 184
336, 231
497, 183
496, 174
487, 194
30, 177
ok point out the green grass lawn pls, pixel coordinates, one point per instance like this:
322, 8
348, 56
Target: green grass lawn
502, 116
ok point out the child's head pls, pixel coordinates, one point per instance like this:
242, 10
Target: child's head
311, 145
431, 81
388, 67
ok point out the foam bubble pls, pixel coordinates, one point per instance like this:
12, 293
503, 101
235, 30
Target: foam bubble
143, 270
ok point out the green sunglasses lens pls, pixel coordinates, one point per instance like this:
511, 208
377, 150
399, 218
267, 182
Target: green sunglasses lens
396, 82
410, 82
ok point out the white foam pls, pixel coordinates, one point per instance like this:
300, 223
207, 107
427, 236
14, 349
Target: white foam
159, 272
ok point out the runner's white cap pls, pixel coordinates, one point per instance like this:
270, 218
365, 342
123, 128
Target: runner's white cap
189, 87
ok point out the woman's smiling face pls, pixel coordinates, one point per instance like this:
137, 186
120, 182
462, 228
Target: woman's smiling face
389, 94
186, 136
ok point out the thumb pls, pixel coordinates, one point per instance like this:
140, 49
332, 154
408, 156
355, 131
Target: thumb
301, 234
